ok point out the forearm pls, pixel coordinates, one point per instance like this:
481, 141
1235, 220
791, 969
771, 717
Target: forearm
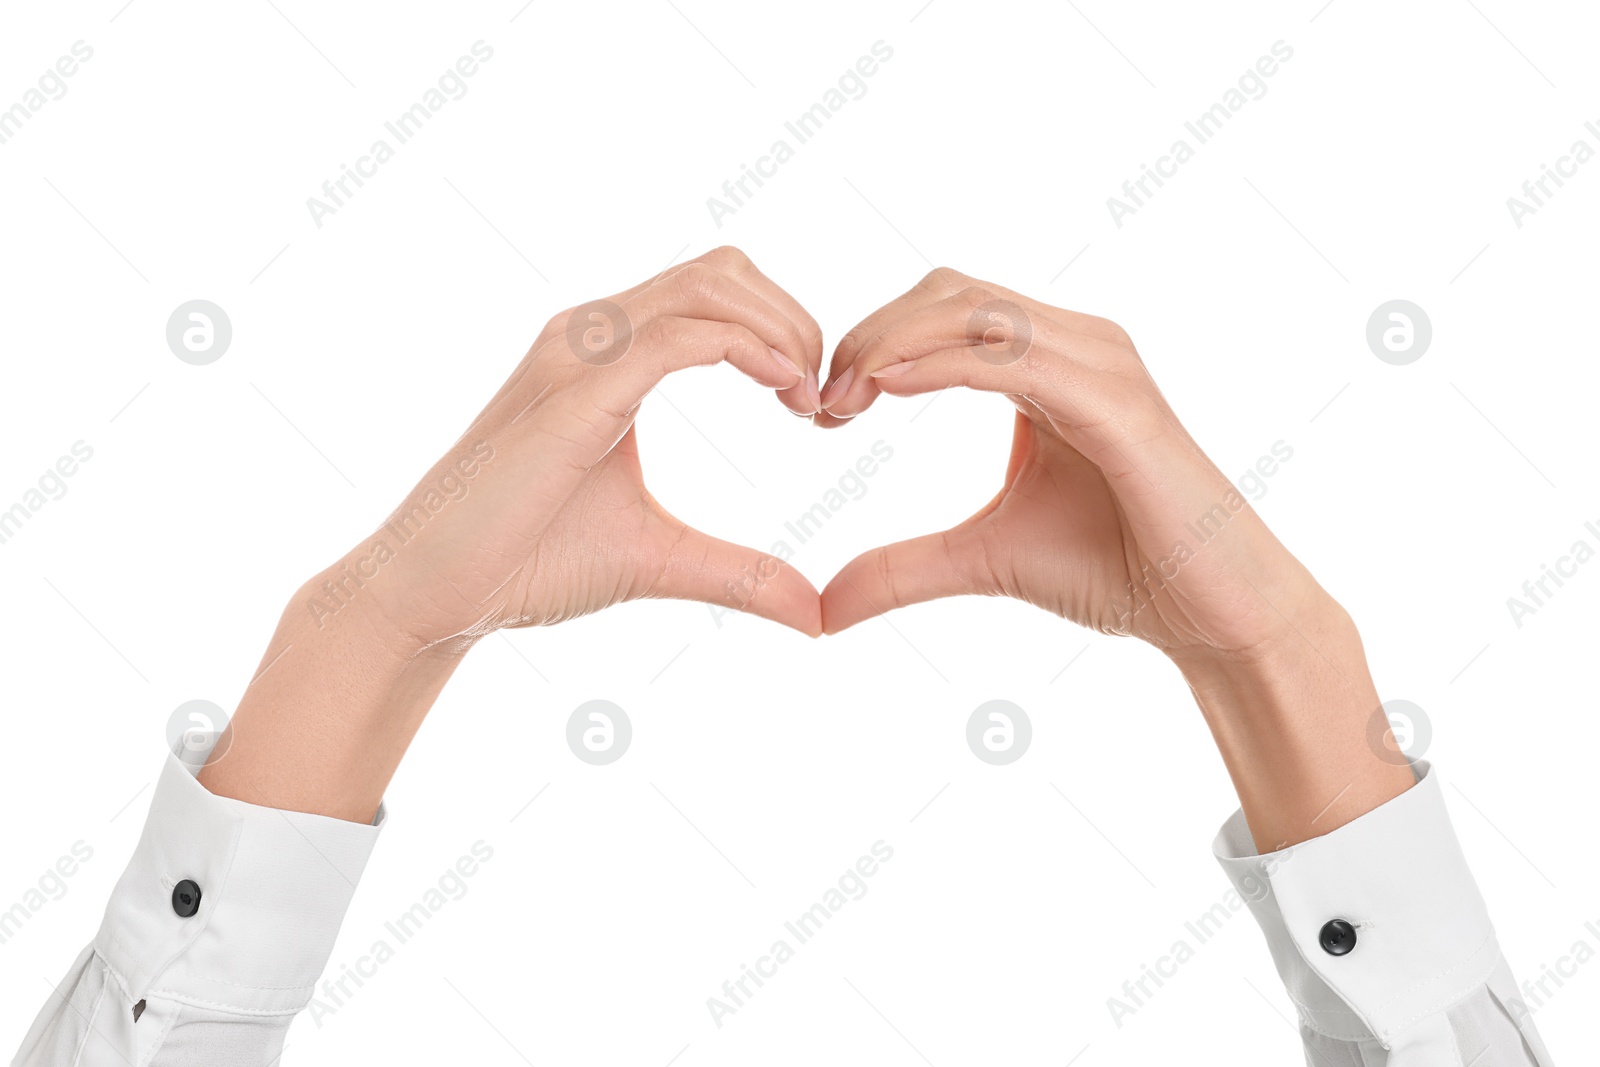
1291, 721
333, 706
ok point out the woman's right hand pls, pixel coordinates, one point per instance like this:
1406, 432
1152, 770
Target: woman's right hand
1098, 514
1111, 515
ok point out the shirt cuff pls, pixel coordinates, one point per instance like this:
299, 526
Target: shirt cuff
1419, 937
273, 887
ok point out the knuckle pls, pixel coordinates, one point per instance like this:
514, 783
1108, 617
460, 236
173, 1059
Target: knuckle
810, 332
974, 296
694, 281
1140, 415
730, 337
662, 333
1112, 332
729, 257
943, 280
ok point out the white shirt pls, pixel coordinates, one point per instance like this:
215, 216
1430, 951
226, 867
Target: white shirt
221, 986
1424, 984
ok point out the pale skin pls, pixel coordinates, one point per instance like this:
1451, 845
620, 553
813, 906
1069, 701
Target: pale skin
556, 523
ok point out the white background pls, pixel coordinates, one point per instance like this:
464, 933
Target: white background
1377, 166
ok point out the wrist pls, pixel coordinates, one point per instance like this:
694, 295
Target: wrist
329, 712
1292, 720
357, 599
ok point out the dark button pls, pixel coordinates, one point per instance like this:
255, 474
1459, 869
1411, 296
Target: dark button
186, 899
1338, 937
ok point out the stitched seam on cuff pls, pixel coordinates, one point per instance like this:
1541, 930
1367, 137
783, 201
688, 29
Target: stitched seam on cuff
1319, 1019
1315, 1019
233, 1009
303, 987
1488, 939
1474, 983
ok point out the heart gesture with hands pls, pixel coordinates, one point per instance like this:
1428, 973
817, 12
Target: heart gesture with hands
1095, 520
539, 514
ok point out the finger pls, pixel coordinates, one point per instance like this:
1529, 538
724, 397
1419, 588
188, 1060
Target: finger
672, 343
700, 290
938, 324
806, 396
596, 404
944, 309
996, 332
729, 577
1159, 476
1090, 406
842, 374
906, 572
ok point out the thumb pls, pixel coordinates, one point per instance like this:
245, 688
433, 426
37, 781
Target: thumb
906, 572
731, 577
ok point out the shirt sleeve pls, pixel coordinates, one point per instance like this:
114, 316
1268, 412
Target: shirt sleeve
214, 937
1383, 941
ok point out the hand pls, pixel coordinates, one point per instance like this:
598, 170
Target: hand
1097, 517
539, 513
1112, 516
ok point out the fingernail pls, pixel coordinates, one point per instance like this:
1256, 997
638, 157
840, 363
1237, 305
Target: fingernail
784, 361
840, 386
894, 370
812, 396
